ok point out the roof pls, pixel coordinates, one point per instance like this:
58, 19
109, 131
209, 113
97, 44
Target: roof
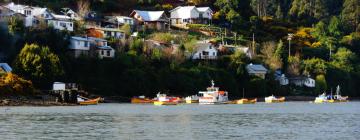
203, 9
149, 15
256, 68
61, 17
105, 48
5, 67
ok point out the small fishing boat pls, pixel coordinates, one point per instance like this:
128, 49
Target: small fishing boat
86, 101
163, 99
141, 100
273, 99
213, 95
246, 101
192, 99
321, 98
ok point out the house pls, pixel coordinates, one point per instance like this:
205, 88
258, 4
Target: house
90, 46
302, 81
70, 13
61, 22
150, 19
120, 20
279, 76
6, 13
107, 32
256, 70
191, 15
35, 15
5, 68
205, 51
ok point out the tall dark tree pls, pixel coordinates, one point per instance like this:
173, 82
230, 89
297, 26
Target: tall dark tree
351, 13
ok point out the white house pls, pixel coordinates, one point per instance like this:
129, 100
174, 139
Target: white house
191, 14
205, 51
61, 22
256, 70
90, 46
150, 19
70, 13
121, 20
302, 81
35, 15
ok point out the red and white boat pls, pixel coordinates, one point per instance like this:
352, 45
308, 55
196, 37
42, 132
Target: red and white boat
213, 95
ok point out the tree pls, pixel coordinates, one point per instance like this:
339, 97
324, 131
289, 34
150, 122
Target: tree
12, 84
320, 84
127, 29
83, 7
314, 66
15, 25
344, 60
270, 55
38, 64
309, 8
334, 28
351, 13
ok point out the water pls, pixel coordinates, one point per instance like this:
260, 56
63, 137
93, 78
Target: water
291, 120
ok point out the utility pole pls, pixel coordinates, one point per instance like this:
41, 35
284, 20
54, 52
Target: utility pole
330, 53
290, 36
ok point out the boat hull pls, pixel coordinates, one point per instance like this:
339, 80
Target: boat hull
164, 103
278, 100
246, 101
141, 101
191, 101
90, 102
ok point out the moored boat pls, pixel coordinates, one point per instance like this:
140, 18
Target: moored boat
141, 100
330, 98
192, 99
86, 101
273, 99
213, 95
163, 99
246, 101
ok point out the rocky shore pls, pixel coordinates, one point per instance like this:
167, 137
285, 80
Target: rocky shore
31, 101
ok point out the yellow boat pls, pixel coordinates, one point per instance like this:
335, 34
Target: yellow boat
273, 99
245, 101
164, 103
90, 101
141, 100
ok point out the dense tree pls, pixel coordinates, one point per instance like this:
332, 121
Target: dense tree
38, 64
351, 13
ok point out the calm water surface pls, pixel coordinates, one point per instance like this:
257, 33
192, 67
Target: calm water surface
291, 120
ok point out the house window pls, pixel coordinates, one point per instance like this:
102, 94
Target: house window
108, 53
78, 42
214, 54
71, 24
102, 52
62, 24
210, 47
27, 12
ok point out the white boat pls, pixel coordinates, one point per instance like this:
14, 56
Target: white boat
163, 99
192, 99
213, 95
321, 98
331, 98
273, 99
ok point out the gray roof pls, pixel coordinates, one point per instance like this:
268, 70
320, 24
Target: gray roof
5, 67
150, 15
256, 68
203, 46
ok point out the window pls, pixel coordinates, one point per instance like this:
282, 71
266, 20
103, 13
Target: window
102, 52
108, 53
71, 24
62, 24
78, 42
27, 12
214, 54
210, 47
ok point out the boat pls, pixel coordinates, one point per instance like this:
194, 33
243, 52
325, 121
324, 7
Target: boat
141, 100
213, 95
331, 98
321, 98
273, 99
192, 99
86, 101
163, 99
245, 101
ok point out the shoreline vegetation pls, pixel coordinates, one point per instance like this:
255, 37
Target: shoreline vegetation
296, 42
